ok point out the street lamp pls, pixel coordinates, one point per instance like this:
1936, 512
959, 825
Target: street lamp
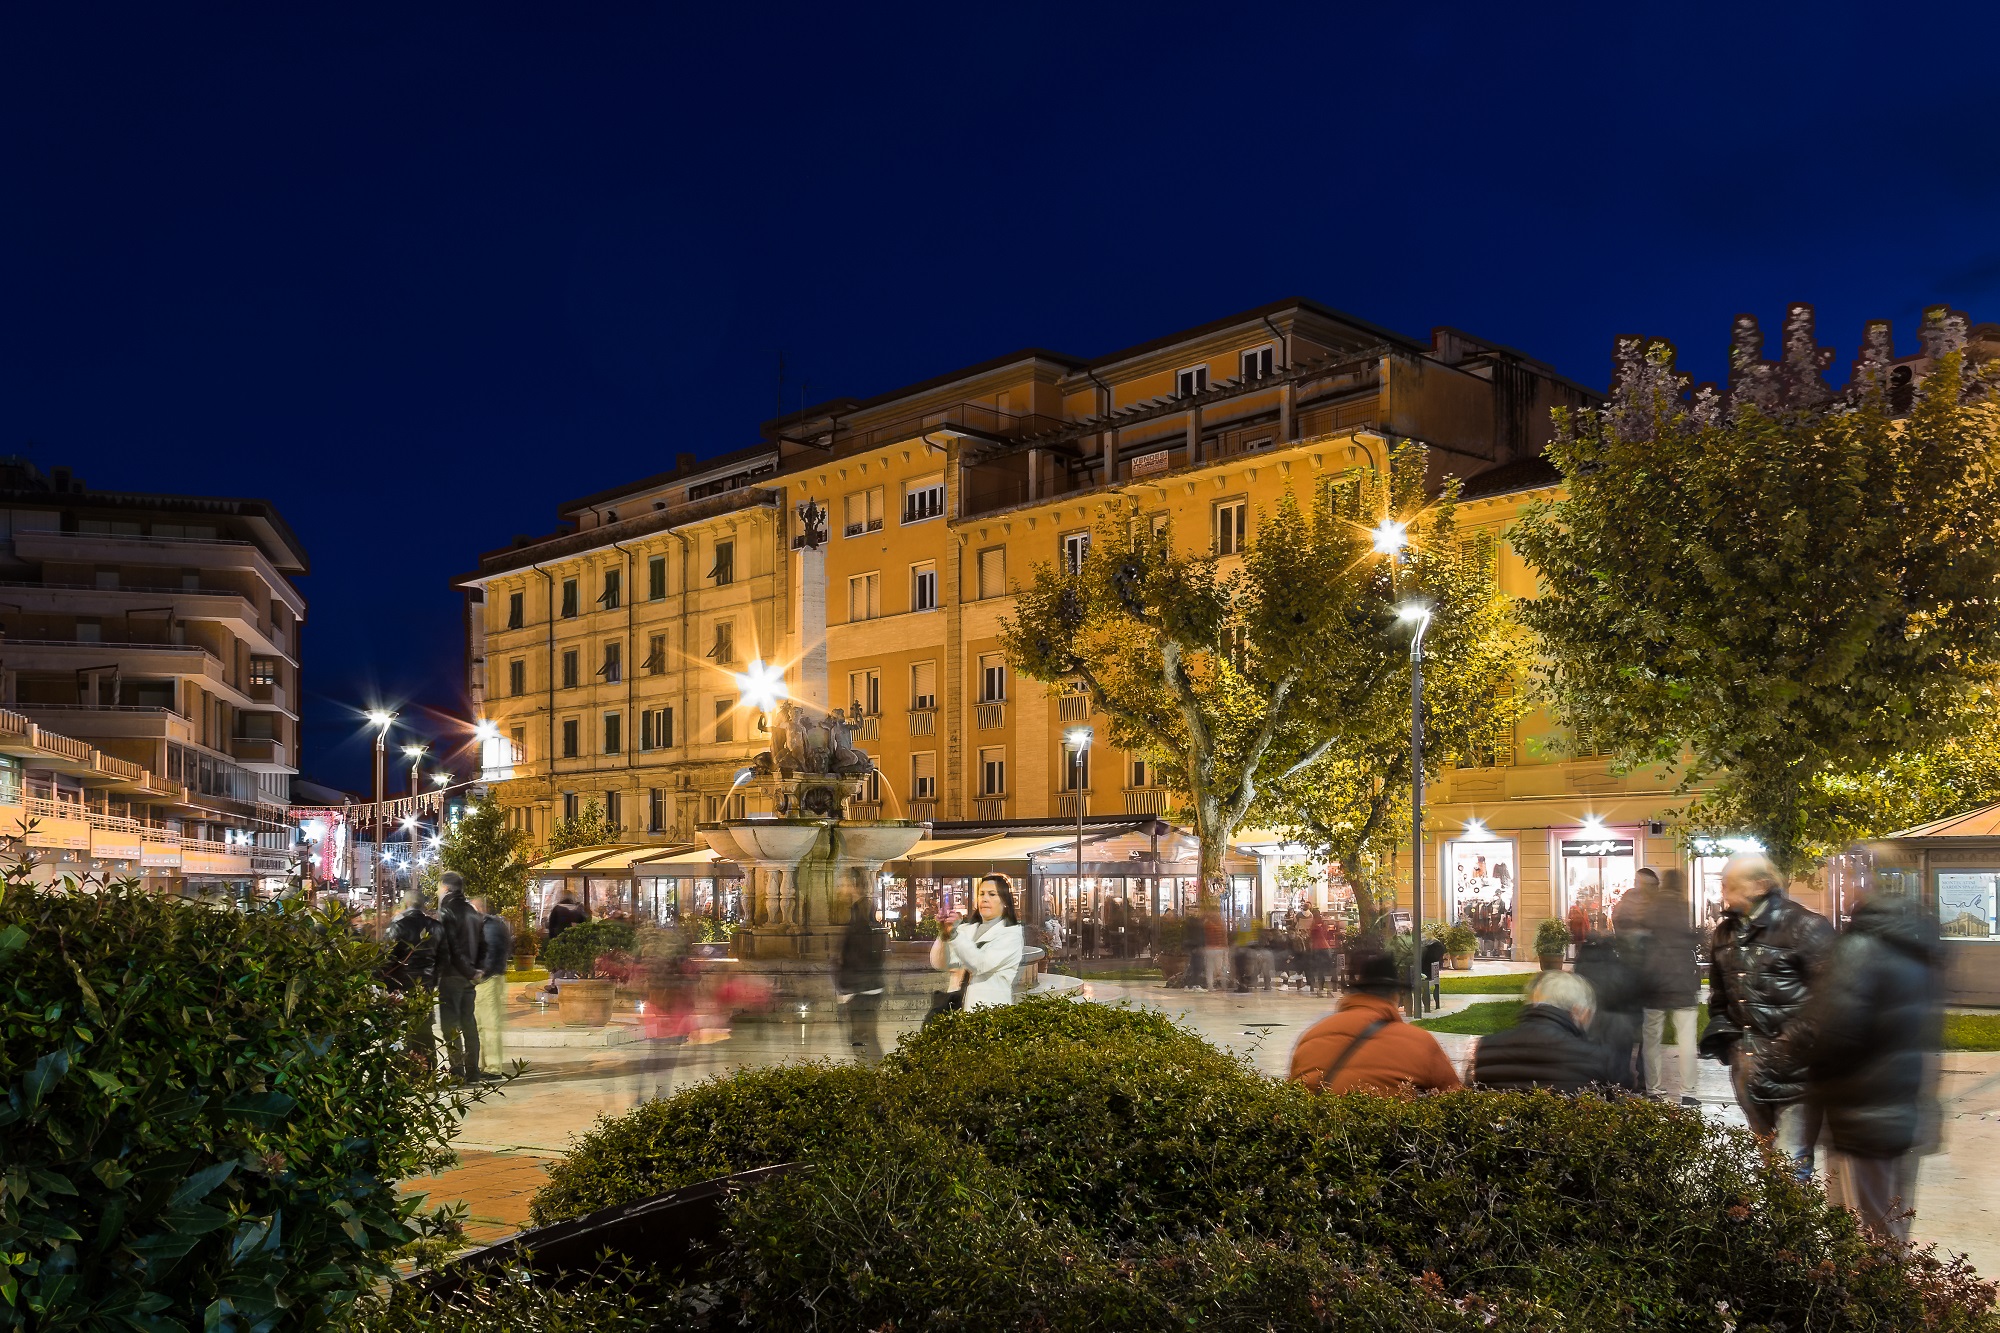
415, 752
380, 719
1388, 537
760, 686
1417, 614
1078, 740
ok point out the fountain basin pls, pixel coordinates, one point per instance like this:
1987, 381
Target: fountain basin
780, 841
875, 842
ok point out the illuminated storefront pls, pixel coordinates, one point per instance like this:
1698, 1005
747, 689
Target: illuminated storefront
1597, 868
1481, 875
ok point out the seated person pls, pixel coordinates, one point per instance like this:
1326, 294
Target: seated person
1549, 1046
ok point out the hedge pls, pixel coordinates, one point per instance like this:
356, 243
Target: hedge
1055, 1165
206, 1113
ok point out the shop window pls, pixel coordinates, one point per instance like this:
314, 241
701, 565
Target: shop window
1597, 872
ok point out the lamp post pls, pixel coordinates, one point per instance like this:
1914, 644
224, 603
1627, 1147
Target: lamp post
380, 719
1079, 739
415, 752
1419, 615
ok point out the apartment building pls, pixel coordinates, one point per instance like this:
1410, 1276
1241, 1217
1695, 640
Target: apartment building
149, 679
605, 654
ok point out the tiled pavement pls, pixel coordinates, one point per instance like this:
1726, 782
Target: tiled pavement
506, 1139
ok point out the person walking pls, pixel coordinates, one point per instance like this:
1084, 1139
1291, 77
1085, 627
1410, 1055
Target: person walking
414, 939
1669, 981
496, 954
1319, 954
459, 975
566, 913
1365, 1043
1865, 1041
987, 944
1214, 951
1607, 961
1766, 957
1550, 1046
859, 977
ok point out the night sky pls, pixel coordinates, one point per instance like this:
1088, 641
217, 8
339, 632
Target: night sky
418, 272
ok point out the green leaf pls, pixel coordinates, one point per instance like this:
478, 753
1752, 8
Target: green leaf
261, 1108
52, 1182
201, 1184
47, 1072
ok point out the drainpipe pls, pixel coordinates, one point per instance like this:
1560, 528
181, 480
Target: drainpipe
686, 718
549, 677
631, 663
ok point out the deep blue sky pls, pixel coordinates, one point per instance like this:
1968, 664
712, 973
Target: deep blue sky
416, 272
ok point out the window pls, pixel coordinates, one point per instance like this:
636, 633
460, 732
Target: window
614, 809
993, 571
923, 685
1231, 519
1257, 363
1075, 547
865, 688
569, 669
923, 776
923, 498
519, 735
263, 671
517, 677
569, 805
923, 587
864, 512
992, 678
516, 613
993, 771
89, 630
569, 599
656, 810
656, 577
569, 738
723, 650
1189, 382
1076, 769
656, 729
613, 669
724, 569
614, 733
725, 721
1141, 771
613, 587
656, 655
863, 591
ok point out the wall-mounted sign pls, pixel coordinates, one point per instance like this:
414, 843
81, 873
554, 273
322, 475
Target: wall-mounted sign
1145, 465
1598, 847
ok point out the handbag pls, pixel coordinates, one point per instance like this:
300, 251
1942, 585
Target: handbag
944, 1001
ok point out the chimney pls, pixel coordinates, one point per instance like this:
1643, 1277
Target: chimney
59, 479
684, 462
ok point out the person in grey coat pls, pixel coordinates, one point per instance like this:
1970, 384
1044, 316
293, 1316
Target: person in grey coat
1669, 981
496, 955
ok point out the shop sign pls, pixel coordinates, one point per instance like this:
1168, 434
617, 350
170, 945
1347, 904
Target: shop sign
1599, 847
1145, 465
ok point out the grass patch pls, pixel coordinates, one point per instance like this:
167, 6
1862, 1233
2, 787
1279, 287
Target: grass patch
1108, 971
1972, 1032
1483, 1020
530, 974
1488, 983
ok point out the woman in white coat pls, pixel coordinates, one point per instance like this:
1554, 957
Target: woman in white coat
986, 946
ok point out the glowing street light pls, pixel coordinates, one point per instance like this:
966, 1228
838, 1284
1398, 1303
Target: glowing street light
485, 730
1389, 536
380, 719
441, 778
760, 686
1418, 614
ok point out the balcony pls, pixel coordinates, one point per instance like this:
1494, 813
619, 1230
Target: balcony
923, 721
991, 714
263, 753
169, 553
864, 809
924, 812
989, 807
272, 694
871, 728
1072, 804
1072, 707
1146, 800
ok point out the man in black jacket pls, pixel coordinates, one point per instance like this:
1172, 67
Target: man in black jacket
459, 974
858, 977
1549, 1046
1766, 958
1865, 1041
414, 939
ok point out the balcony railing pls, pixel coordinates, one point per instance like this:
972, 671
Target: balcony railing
923, 721
62, 745
989, 807
1072, 805
871, 727
864, 809
1145, 800
113, 766
924, 812
991, 716
1073, 707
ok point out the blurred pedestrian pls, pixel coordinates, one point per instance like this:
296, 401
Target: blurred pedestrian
1865, 1041
459, 975
1608, 962
986, 943
1319, 953
566, 913
1766, 956
1550, 1046
414, 939
496, 956
1365, 1043
1669, 981
1214, 951
859, 976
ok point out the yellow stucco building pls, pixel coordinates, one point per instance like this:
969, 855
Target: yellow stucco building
605, 655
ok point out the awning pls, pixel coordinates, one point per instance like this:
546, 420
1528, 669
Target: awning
1981, 823
1004, 849
596, 860
934, 849
663, 862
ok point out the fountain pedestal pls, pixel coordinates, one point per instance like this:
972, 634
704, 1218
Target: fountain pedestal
794, 870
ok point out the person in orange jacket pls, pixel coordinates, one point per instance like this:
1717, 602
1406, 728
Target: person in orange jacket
1364, 1043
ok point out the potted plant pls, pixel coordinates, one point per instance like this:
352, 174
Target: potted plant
589, 949
1551, 942
1461, 942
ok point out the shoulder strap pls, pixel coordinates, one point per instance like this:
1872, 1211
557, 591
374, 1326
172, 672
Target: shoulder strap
1327, 1075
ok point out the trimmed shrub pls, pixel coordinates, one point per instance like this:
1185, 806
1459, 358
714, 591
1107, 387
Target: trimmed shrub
577, 948
1058, 1166
206, 1114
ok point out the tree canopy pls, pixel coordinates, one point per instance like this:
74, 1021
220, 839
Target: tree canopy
491, 855
1239, 678
1780, 586
590, 828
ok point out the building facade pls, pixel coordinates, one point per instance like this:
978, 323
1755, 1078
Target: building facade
606, 654
149, 680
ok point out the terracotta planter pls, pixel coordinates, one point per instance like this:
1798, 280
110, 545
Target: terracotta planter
1551, 962
585, 1004
1461, 961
